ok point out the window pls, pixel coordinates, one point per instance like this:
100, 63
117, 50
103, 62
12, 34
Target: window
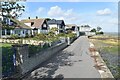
8, 32
23, 32
44, 26
3, 32
32, 23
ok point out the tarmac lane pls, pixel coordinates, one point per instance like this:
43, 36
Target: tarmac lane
72, 62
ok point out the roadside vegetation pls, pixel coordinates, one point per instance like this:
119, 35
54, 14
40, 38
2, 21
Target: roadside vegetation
7, 59
97, 31
108, 46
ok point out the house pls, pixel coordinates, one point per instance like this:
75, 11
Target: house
15, 27
85, 30
72, 27
37, 25
59, 25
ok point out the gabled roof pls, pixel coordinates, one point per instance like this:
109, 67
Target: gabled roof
19, 24
86, 26
53, 21
36, 22
71, 25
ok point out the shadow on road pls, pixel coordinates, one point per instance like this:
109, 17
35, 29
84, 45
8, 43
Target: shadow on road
48, 68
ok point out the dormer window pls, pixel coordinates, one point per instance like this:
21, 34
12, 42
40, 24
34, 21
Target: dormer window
44, 25
32, 23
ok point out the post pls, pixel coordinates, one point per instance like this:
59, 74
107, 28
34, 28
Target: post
68, 40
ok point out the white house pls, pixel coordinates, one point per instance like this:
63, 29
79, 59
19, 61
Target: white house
15, 27
37, 25
73, 27
58, 24
85, 30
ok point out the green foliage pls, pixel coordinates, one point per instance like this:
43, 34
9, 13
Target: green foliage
41, 37
54, 29
14, 36
97, 33
51, 34
61, 35
7, 53
101, 32
12, 10
93, 30
13, 7
33, 49
118, 75
71, 35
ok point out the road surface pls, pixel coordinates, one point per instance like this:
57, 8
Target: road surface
72, 62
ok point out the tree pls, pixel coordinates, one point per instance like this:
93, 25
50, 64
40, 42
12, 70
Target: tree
98, 28
93, 30
10, 10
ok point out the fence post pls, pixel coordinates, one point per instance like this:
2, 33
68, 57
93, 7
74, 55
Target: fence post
68, 40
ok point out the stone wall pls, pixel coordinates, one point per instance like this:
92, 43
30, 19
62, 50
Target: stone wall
26, 63
22, 41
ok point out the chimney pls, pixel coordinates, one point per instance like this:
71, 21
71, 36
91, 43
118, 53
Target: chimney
28, 17
36, 17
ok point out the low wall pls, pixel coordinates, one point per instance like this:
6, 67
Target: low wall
26, 63
22, 41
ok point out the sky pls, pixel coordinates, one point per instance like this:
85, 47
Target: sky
103, 14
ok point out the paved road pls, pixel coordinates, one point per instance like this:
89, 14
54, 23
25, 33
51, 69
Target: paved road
73, 62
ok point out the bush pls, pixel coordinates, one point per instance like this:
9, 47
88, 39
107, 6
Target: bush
14, 36
61, 35
97, 33
40, 37
101, 32
71, 35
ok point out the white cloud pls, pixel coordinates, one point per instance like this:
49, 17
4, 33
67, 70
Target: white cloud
55, 11
105, 11
59, 13
40, 9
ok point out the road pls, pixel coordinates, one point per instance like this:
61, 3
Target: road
72, 62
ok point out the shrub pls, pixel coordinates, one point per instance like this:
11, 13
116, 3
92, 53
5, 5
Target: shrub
71, 35
40, 37
97, 33
61, 35
14, 36
101, 32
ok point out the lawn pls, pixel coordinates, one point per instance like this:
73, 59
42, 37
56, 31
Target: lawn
106, 43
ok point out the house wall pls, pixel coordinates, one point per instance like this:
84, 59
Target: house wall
22, 32
84, 29
59, 27
53, 26
44, 31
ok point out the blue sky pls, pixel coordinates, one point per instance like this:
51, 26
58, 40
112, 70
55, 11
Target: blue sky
103, 14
